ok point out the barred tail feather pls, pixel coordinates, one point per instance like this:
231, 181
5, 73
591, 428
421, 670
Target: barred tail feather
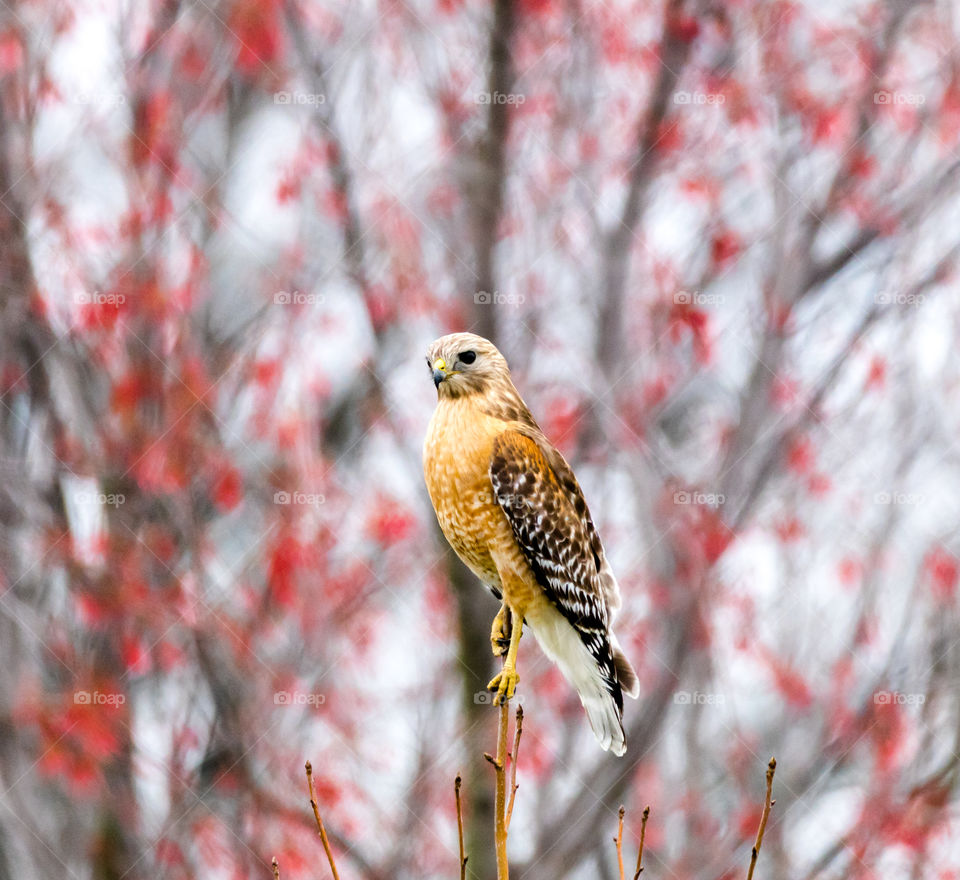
605, 719
629, 683
597, 688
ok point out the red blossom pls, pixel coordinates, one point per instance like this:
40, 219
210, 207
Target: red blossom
135, 655
563, 422
942, 569
288, 188
390, 524
785, 392
11, 52
877, 375
257, 27
689, 318
684, 28
227, 488
725, 247
789, 682
887, 733
819, 484
789, 528
285, 559
800, 455
849, 571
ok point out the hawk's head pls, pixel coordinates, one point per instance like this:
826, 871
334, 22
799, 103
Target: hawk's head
464, 363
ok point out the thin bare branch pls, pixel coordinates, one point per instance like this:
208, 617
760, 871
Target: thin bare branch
276, 869
513, 765
618, 840
463, 857
320, 828
643, 834
768, 803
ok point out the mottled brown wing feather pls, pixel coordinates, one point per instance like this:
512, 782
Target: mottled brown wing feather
550, 521
609, 588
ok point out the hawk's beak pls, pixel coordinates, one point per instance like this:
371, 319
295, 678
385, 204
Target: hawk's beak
439, 372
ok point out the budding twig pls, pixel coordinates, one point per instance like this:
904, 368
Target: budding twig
643, 834
513, 765
463, 858
276, 869
320, 828
618, 840
768, 803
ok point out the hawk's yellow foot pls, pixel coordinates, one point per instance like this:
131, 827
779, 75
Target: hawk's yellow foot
500, 632
505, 684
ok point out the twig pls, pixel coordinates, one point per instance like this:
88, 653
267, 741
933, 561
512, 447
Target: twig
768, 803
499, 765
463, 858
513, 765
320, 828
276, 869
643, 834
619, 841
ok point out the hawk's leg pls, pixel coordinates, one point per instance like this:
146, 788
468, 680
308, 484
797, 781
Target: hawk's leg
505, 683
500, 632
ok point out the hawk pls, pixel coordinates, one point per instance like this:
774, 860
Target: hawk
512, 509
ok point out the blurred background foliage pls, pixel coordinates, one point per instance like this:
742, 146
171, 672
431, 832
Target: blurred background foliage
717, 244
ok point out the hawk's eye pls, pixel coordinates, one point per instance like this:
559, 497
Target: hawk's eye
467, 357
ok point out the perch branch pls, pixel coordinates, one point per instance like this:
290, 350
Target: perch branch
500, 801
320, 828
500, 823
768, 803
276, 869
618, 840
643, 834
513, 766
463, 858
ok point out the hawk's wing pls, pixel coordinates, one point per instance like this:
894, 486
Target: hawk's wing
548, 515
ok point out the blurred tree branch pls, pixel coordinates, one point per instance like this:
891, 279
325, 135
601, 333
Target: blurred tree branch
486, 189
617, 246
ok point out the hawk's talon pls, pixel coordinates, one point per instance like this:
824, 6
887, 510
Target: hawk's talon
505, 685
500, 632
